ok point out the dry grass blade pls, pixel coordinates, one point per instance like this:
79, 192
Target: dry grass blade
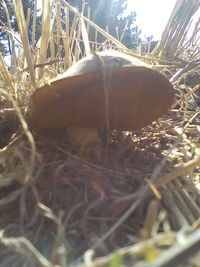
85, 37
28, 17
151, 218
191, 65
180, 171
78, 53
6, 76
179, 252
46, 29
34, 23
176, 28
170, 257
67, 40
194, 209
30, 167
24, 38
138, 249
104, 33
58, 27
24, 246
88, 16
12, 41
84, 32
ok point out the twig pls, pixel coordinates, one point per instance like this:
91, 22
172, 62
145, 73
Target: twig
188, 67
24, 246
43, 64
159, 240
180, 252
28, 134
179, 171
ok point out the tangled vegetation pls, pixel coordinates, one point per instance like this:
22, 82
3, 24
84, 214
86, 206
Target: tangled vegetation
137, 206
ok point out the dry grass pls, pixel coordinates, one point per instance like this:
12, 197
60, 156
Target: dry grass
138, 205
175, 40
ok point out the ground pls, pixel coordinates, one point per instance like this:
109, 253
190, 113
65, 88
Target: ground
72, 200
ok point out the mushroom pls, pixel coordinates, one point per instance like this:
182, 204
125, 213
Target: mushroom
105, 90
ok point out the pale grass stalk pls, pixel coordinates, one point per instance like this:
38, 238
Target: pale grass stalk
73, 33
96, 38
108, 33
183, 20
151, 218
83, 7
193, 206
192, 40
79, 31
52, 47
124, 30
92, 24
84, 32
197, 53
52, 40
196, 29
24, 38
25, 247
181, 204
46, 30
28, 16
117, 32
73, 27
165, 34
85, 37
183, 38
77, 50
161, 239
66, 41
11, 38
179, 171
58, 26
34, 23
6, 76
89, 16
72, 48
176, 28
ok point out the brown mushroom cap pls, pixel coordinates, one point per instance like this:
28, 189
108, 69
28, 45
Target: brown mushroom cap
133, 95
